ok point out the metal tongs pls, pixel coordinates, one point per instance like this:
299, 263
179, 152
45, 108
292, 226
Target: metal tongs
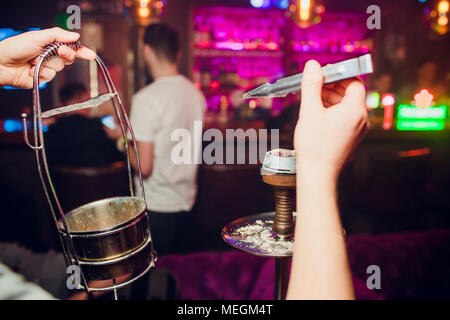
332, 73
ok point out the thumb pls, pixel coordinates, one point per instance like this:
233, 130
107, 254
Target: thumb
312, 83
355, 94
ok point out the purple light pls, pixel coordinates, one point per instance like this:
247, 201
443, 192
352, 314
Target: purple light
236, 46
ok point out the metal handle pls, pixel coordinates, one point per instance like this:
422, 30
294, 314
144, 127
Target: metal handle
39, 146
25, 133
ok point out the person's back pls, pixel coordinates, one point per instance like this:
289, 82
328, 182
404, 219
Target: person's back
170, 108
169, 104
76, 139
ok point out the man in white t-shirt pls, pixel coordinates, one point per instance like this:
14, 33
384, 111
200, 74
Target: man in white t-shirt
169, 103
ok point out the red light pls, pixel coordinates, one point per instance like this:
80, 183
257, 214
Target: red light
388, 115
214, 85
414, 153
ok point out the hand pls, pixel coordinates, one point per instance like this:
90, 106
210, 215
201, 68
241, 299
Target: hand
332, 121
18, 56
113, 134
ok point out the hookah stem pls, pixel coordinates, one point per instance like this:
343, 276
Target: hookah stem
281, 277
283, 226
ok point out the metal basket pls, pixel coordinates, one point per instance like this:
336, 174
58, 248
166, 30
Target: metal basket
108, 238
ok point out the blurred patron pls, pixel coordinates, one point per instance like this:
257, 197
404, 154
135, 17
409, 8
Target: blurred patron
170, 103
76, 139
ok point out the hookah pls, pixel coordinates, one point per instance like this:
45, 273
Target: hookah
271, 234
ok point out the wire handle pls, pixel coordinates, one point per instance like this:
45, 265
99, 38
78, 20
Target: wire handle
51, 51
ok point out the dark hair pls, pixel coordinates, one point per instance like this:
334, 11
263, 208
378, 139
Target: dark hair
164, 40
71, 91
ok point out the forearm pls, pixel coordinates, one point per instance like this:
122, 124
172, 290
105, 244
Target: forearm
133, 160
320, 268
145, 159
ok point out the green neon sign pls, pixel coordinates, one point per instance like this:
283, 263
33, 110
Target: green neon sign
412, 112
420, 125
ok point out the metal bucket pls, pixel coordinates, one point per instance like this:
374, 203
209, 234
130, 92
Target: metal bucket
107, 233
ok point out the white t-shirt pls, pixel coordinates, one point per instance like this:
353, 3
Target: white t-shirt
168, 104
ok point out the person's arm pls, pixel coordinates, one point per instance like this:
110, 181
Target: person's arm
14, 287
332, 121
18, 53
145, 149
143, 121
146, 156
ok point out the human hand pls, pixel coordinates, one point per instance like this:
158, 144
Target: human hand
332, 121
18, 56
113, 134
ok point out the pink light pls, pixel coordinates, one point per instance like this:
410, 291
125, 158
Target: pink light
236, 46
272, 46
387, 99
348, 47
423, 99
364, 48
297, 47
250, 46
220, 34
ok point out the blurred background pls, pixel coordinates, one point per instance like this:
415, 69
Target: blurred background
398, 179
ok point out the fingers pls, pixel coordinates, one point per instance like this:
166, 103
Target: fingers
45, 75
67, 55
331, 97
312, 84
86, 53
338, 87
47, 36
355, 93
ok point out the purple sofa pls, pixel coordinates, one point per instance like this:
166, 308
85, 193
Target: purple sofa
414, 265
